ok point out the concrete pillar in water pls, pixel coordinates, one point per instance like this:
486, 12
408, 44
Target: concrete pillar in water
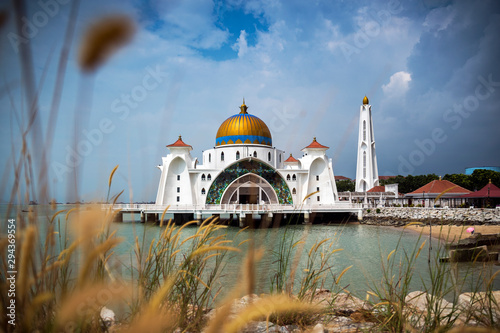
265, 220
360, 215
198, 218
118, 217
306, 217
242, 220
143, 217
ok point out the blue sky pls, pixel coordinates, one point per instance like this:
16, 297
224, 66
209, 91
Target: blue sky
430, 69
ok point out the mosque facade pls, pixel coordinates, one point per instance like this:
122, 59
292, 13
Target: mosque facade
244, 168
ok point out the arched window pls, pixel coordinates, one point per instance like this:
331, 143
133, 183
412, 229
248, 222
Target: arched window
209, 158
294, 191
237, 155
294, 177
364, 130
287, 177
209, 177
364, 164
202, 191
222, 156
203, 177
269, 157
254, 154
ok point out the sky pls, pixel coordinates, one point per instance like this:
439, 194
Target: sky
429, 68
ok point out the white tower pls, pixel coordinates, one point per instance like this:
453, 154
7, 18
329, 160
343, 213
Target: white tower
366, 170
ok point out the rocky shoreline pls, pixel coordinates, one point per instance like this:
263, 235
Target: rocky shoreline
400, 216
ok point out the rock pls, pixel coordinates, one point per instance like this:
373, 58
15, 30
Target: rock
107, 317
417, 304
262, 327
346, 324
349, 303
319, 328
420, 301
480, 305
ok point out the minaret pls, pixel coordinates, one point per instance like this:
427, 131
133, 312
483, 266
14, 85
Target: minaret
366, 170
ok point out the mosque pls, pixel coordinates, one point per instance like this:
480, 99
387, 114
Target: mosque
244, 168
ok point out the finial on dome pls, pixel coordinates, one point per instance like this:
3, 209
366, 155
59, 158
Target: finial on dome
180, 137
243, 107
365, 100
314, 139
489, 181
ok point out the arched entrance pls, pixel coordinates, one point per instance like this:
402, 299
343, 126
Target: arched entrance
249, 189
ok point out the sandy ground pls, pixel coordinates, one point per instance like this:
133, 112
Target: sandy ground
452, 233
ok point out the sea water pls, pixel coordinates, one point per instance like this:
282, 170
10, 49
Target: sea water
363, 248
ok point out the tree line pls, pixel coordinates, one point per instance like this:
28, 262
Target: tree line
406, 184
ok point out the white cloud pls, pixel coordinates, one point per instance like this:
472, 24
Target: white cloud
241, 44
439, 19
398, 85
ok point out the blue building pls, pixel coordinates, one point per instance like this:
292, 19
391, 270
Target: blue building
469, 171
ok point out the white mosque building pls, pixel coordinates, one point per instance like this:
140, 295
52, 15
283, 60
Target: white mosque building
244, 168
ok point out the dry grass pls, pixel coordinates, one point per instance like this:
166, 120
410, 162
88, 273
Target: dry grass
67, 264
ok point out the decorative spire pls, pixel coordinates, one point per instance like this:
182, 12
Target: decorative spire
243, 107
489, 182
314, 139
365, 100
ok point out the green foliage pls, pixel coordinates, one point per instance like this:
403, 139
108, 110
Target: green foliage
474, 182
460, 179
480, 178
410, 183
345, 185
378, 211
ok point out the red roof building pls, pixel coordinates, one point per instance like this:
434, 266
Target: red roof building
489, 191
379, 188
179, 144
291, 159
337, 178
442, 188
488, 196
316, 145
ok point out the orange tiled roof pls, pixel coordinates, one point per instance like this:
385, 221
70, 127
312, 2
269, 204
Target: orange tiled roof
380, 188
179, 143
341, 178
439, 186
291, 159
316, 144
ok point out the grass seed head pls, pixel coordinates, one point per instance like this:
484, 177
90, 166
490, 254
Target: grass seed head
102, 39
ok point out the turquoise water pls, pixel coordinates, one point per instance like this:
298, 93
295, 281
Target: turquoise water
364, 247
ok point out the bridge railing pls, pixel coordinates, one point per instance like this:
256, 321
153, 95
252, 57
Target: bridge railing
228, 208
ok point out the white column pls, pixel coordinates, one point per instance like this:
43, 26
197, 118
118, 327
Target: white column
366, 169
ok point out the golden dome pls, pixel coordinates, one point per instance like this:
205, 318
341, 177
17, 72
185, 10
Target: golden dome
243, 128
365, 100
